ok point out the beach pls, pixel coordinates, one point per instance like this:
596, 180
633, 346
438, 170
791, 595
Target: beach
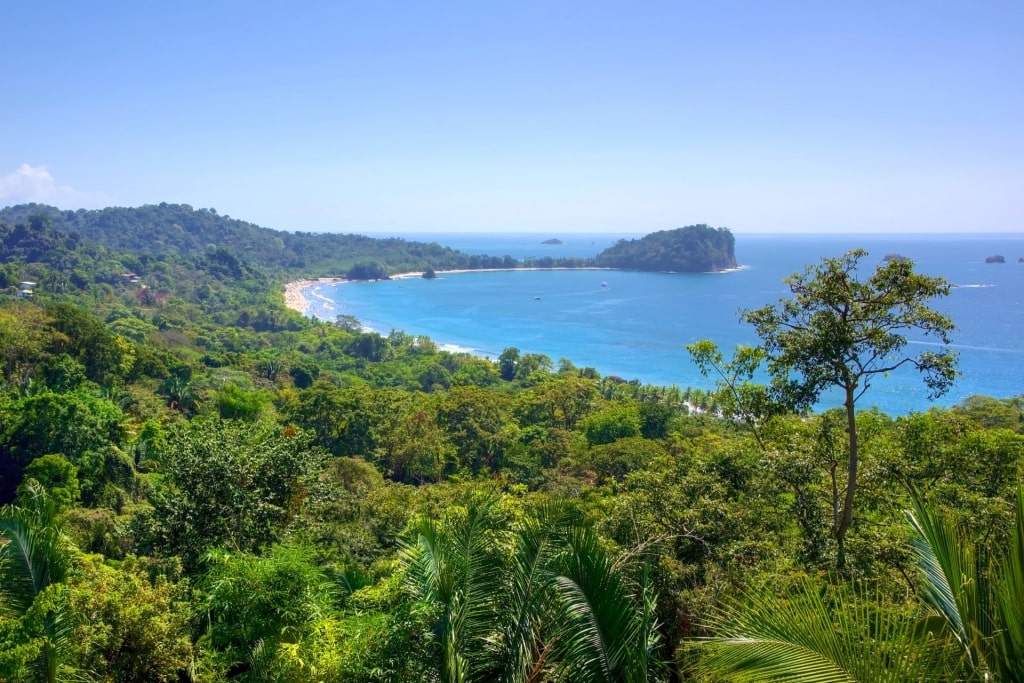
295, 292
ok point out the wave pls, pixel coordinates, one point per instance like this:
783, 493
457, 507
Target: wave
968, 347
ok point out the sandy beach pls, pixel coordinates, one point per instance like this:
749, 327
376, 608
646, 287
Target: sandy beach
295, 292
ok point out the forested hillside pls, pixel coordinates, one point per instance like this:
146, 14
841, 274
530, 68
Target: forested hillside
179, 230
199, 484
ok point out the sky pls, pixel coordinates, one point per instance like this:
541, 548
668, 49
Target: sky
549, 116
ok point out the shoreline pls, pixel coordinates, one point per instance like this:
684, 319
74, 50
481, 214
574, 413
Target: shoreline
295, 291
296, 299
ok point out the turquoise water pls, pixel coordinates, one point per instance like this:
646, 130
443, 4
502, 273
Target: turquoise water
637, 325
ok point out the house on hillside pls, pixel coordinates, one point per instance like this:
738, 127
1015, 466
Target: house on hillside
26, 289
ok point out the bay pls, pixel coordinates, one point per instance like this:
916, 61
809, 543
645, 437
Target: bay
636, 325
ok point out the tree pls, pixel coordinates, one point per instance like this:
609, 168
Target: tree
507, 363
539, 601
227, 484
367, 270
842, 332
77, 425
57, 476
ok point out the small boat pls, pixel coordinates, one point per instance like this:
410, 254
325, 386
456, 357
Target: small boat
604, 283
536, 298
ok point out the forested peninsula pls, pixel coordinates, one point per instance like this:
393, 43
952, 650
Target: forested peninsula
199, 484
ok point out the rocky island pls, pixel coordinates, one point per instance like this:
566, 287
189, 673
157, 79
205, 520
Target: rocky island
895, 257
553, 241
693, 249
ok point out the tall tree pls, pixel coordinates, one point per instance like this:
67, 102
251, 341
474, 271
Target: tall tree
840, 331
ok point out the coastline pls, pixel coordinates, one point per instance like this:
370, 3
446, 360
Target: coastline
295, 291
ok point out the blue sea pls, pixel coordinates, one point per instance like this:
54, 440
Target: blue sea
636, 325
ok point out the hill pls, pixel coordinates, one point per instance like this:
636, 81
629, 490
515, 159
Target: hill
693, 249
180, 230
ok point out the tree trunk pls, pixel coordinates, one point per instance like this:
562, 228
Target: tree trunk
851, 476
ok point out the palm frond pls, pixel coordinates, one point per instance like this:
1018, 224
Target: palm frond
949, 568
529, 579
1008, 602
600, 624
36, 554
817, 635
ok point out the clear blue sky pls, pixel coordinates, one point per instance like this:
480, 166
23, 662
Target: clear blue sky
545, 116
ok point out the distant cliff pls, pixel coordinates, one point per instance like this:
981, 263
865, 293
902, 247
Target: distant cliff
693, 249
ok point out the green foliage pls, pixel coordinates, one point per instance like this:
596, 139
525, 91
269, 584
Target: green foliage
181, 232
611, 424
371, 270
35, 559
127, 626
507, 362
57, 476
618, 458
978, 593
107, 358
968, 625
252, 604
841, 331
558, 610
26, 335
77, 425
193, 406
475, 419
235, 403
227, 484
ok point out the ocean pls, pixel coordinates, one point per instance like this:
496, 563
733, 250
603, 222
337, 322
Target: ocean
636, 325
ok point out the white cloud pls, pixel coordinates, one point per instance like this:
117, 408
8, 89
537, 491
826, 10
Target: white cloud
37, 184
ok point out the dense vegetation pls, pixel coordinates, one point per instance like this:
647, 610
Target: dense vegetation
693, 249
179, 230
202, 485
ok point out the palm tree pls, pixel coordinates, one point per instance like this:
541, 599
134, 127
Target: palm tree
968, 624
535, 603
454, 566
34, 563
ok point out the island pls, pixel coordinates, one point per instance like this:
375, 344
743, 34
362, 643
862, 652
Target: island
996, 259
693, 249
553, 241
